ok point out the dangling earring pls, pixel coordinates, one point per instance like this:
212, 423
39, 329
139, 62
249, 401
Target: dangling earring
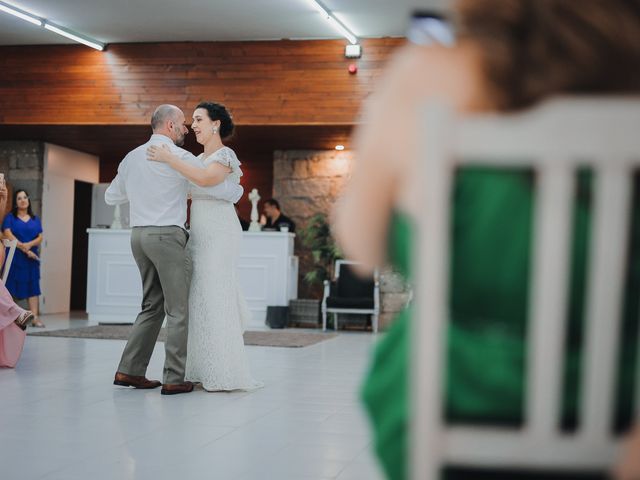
215, 130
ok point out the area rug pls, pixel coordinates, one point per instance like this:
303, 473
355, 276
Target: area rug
269, 338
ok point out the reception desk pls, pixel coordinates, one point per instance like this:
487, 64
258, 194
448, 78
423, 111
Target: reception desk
267, 271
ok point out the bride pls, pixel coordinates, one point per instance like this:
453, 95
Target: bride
217, 309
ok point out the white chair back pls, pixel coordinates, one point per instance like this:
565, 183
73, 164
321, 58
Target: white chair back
339, 263
374, 312
555, 139
11, 245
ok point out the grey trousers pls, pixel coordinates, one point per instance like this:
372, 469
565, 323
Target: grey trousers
165, 267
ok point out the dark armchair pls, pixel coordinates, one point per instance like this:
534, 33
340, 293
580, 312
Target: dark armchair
350, 293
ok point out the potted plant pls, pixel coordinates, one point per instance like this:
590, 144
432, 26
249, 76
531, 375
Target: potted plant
316, 237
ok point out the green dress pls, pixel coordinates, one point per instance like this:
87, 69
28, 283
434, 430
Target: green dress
490, 268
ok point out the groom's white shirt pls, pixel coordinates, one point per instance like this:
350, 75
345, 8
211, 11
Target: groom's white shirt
156, 192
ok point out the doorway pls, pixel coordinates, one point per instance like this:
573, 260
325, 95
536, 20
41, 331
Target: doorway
80, 250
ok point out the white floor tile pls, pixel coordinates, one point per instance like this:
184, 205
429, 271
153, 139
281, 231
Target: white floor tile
62, 419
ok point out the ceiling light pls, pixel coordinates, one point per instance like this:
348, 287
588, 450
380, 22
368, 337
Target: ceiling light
339, 147
335, 23
74, 36
41, 22
27, 17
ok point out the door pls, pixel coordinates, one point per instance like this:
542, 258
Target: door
57, 223
80, 251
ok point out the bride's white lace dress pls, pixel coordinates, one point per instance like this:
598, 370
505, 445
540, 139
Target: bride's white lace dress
217, 309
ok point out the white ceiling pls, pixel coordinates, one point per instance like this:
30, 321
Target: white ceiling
117, 21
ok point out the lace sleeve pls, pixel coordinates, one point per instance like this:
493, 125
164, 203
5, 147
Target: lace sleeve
228, 158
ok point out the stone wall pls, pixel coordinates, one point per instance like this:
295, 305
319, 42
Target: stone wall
307, 182
22, 162
394, 296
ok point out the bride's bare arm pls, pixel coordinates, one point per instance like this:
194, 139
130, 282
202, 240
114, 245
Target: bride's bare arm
211, 175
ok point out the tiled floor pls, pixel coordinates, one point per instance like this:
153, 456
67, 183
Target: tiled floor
62, 419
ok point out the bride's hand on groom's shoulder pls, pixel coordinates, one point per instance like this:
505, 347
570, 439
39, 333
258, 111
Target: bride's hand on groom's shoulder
159, 154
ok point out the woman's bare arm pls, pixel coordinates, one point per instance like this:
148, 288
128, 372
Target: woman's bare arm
361, 216
628, 467
23, 247
211, 175
387, 142
34, 243
9, 234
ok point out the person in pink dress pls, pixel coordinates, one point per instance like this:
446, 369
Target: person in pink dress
13, 319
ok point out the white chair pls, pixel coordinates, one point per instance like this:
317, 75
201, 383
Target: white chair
351, 294
555, 139
11, 245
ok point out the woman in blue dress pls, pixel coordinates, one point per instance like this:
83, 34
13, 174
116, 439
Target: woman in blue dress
24, 276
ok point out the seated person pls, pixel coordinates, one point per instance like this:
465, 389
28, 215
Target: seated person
273, 217
489, 270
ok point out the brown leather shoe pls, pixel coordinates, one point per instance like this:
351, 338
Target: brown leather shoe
176, 388
134, 381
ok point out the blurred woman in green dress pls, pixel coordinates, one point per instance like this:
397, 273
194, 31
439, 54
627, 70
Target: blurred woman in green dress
508, 55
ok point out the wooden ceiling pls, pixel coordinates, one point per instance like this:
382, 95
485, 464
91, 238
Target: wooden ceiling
263, 83
284, 95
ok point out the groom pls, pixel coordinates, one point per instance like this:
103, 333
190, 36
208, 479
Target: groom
156, 194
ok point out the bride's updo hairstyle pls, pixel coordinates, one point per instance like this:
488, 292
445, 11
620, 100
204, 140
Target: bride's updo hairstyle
217, 111
532, 49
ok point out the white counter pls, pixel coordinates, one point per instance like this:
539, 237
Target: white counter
267, 270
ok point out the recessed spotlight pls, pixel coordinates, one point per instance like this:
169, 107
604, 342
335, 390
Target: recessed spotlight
339, 147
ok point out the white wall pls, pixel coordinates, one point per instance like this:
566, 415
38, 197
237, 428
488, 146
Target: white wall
62, 167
